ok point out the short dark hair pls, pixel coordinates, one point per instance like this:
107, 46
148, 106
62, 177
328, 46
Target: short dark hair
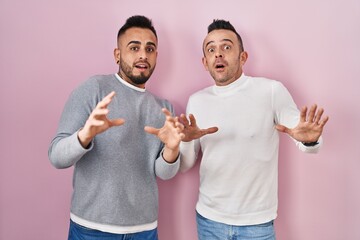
218, 24
137, 21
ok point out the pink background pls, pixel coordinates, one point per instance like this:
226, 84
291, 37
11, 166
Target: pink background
47, 48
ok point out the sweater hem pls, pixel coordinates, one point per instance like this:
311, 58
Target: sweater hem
113, 228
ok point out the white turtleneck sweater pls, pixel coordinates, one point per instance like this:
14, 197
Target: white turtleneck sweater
239, 167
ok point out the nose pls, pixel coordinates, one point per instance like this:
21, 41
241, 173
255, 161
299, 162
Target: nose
218, 54
143, 54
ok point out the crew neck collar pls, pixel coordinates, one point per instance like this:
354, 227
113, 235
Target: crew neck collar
128, 84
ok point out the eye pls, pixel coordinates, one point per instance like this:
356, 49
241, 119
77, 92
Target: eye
134, 48
211, 50
227, 47
150, 49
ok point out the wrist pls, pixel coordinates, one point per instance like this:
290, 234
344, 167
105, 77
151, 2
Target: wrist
83, 138
310, 144
170, 155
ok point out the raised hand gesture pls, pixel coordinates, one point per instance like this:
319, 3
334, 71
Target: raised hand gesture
310, 126
170, 134
191, 129
98, 121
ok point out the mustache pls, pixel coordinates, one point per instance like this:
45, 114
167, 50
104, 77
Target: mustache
142, 62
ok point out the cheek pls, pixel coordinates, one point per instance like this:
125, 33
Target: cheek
151, 58
205, 62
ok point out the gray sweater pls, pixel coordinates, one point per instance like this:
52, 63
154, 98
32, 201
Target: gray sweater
114, 180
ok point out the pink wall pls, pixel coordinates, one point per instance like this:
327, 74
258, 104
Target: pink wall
49, 47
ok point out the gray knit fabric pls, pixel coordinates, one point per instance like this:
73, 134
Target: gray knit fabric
114, 180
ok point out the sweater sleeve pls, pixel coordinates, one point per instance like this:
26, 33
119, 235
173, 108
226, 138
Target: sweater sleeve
189, 150
64, 152
310, 149
287, 114
65, 149
165, 170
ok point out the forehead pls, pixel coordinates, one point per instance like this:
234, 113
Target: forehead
135, 34
219, 36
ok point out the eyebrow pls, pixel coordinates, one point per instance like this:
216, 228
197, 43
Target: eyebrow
138, 42
225, 39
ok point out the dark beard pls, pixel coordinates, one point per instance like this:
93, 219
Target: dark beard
137, 80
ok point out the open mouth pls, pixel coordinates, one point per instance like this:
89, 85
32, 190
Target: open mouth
141, 66
219, 66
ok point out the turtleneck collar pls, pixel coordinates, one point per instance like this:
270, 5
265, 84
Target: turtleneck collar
230, 88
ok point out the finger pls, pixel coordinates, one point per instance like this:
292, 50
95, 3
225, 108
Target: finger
166, 112
182, 136
303, 114
106, 100
96, 113
184, 120
170, 121
96, 123
179, 126
211, 130
324, 121
151, 130
117, 122
177, 121
312, 113
318, 115
282, 128
192, 120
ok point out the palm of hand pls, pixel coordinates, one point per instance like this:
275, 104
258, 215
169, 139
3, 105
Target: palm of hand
306, 132
191, 129
310, 126
191, 133
106, 124
169, 135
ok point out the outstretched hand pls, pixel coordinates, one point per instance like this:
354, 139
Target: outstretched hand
98, 121
310, 126
170, 134
191, 129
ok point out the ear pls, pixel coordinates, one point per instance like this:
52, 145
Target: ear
117, 55
205, 63
243, 58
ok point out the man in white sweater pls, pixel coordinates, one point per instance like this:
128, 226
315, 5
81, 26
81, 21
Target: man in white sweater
241, 117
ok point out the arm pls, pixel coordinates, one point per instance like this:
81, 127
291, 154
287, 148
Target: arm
309, 129
98, 121
310, 126
189, 154
305, 129
74, 139
190, 144
166, 166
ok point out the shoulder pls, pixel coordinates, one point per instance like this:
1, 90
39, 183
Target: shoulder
101, 81
263, 81
266, 84
95, 87
94, 82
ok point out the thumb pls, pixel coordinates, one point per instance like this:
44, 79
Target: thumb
281, 128
117, 122
211, 130
151, 130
